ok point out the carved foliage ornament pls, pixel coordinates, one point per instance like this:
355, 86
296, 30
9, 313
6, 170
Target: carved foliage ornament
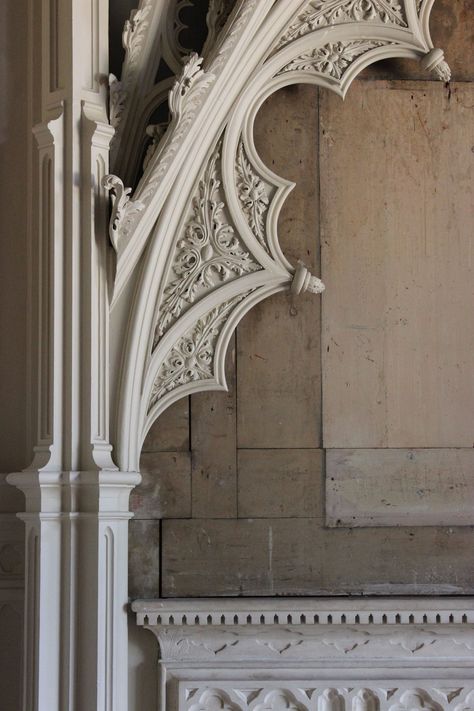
332, 59
184, 99
320, 13
209, 253
253, 196
133, 38
192, 357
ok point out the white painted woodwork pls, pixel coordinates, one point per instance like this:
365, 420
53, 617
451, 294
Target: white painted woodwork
326, 655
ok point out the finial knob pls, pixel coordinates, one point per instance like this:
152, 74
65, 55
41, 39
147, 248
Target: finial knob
303, 281
434, 62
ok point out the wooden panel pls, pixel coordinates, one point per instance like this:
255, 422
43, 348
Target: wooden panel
278, 343
213, 437
280, 483
170, 432
397, 215
165, 490
298, 557
406, 487
144, 559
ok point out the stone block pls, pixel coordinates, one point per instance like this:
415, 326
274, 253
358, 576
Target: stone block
397, 169
214, 456
298, 557
165, 490
280, 483
144, 559
170, 432
403, 487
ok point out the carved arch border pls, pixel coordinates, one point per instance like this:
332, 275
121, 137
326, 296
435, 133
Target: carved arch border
197, 242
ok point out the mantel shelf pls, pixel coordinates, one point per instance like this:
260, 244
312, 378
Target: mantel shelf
304, 611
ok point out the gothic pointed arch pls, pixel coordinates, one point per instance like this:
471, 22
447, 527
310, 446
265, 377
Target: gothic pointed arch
197, 241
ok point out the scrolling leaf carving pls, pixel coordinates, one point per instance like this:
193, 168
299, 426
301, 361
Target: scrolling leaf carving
253, 196
320, 13
192, 357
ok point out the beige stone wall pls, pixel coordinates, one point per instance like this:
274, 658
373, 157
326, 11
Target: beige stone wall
236, 486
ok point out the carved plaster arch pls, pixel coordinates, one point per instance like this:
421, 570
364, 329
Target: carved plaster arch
197, 244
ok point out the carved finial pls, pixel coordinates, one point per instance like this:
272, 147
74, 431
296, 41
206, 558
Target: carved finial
303, 281
129, 29
155, 132
192, 81
117, 97
434, 62
217, 15
123, 208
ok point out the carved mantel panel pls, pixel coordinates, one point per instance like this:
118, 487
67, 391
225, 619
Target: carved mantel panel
326, 655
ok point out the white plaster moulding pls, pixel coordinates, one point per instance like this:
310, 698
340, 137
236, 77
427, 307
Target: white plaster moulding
309, 653
305, 611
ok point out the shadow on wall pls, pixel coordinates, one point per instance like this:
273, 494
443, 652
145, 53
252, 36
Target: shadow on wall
143, 670
10, 653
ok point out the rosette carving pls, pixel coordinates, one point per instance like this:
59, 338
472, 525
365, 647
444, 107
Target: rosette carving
332, 59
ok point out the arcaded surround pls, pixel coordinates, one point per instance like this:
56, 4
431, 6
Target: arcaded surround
195, 247
326, 655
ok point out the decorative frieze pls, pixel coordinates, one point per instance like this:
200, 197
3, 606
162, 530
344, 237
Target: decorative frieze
326, 698
315, 654
321, 13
